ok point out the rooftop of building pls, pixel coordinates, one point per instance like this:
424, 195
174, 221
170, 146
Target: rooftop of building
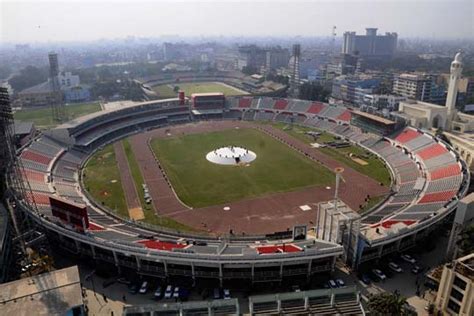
53, 293
43, 87
466, 138
465, 266
22, 128
207, 94
421, 104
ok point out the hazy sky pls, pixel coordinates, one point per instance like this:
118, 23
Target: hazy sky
28, 21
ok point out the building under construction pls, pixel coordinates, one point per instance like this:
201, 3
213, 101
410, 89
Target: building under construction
17, 235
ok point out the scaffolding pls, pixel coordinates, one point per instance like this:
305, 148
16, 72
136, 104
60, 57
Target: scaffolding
14, 186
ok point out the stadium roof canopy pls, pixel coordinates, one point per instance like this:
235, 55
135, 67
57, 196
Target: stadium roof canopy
374, 117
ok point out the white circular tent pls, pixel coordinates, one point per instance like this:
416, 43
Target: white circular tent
231, 155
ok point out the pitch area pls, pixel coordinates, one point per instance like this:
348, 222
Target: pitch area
199, 183
168, 90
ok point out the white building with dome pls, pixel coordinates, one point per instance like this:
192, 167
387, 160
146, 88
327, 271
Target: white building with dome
458, 126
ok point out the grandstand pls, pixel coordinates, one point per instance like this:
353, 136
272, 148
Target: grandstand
428, 180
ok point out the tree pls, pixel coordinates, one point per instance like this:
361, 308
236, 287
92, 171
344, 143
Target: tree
249, 70
313, 91
28, 77
466, 242
387, 304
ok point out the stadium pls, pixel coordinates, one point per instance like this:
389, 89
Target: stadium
291, 220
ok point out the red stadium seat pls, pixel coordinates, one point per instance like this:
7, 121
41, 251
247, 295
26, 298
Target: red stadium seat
432, 151
316, 107
36, 157
445, 172
345, 116
280, 104
407, 135
278, 249
438, 197
245, 102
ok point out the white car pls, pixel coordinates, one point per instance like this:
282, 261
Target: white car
395, 267
340, 283
416, 269
176, 292
226, 294
408, 258
169, 291
332, 284
379, 274
143, 288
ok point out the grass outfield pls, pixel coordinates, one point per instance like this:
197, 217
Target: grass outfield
375, 169
102, 181
42, 118
200, 183
150, 214
166, 91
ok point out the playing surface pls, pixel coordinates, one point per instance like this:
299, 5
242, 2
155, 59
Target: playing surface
43, 117
200, 183
166, 90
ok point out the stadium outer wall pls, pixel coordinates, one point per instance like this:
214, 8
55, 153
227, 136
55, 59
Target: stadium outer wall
254, 268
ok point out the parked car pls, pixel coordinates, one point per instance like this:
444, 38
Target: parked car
217, 294
176, 292
395, 267
144, 287
379, 274
408, 258
340, 283
332, 284
158, 293
226, 294
123, 281
133, 289
365, 278
169, 291
416, 269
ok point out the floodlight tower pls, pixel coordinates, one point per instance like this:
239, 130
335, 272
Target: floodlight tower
57, 105
333, 40
295, 71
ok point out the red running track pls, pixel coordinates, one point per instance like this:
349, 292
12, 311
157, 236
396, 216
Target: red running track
264, 214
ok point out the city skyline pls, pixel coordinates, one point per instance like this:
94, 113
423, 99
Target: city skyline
88, 21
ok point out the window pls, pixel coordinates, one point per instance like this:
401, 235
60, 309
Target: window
457, 295
454, 306
460, 283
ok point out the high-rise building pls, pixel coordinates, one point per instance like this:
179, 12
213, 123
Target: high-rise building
370, 44
252, 56
421, 87
351, 89
276, 57
343, 64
